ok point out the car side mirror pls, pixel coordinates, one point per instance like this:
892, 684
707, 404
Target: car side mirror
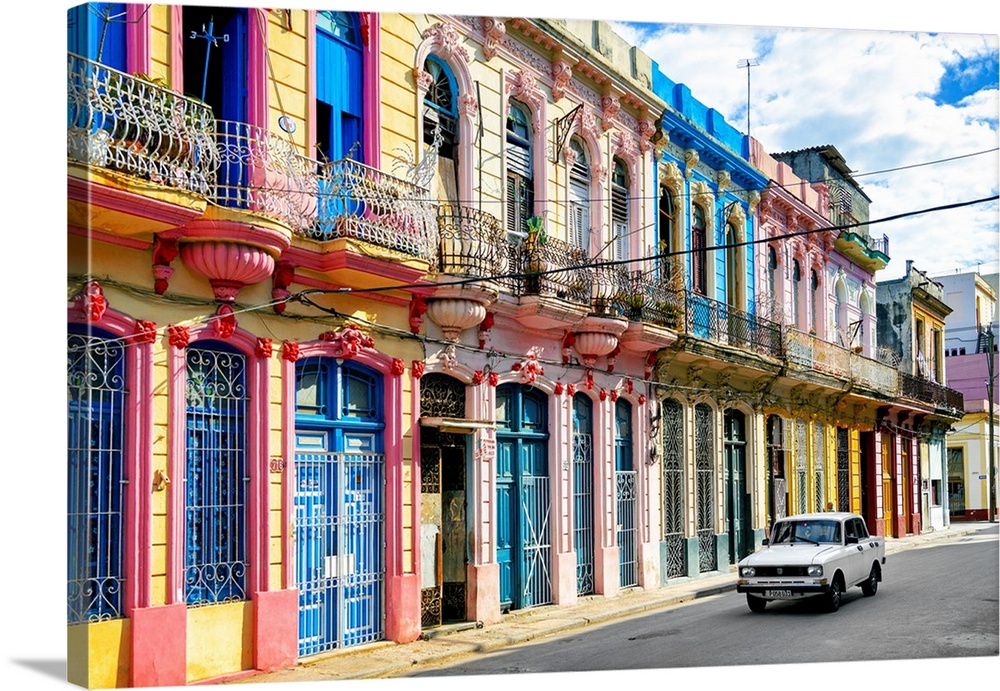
852, 539
765, 542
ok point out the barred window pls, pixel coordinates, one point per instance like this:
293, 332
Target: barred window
96, 388
216, 475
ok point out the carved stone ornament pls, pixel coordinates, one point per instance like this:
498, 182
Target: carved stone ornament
289, 351
494, 29
263, 348
753, 199
397, 367
610, 105
224, 321
455, 315
423, 79
723, 178
91, 301
417, 368
446, 41
284, 274
646, 132
562, 73
467, 105
178, 336
164, 251
347, 342
691, 159
144, 332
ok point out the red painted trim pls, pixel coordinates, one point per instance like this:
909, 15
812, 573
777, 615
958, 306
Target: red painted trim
276, 629
159, 646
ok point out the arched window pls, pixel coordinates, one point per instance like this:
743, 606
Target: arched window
520, 180
440, 108
772, 272
441, 126
619, 210
667, 233
339, 86
699, 255
734, 269
579, 196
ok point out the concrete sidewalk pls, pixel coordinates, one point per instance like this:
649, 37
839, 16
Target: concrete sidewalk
387, 659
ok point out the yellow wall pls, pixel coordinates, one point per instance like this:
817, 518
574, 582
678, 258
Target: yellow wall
219, 640
98, 654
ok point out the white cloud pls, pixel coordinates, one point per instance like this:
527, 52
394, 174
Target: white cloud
870, 94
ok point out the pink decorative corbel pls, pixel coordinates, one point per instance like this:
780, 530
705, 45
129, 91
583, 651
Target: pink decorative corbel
164, 252
603, 394
284, 274
612, 356
559, 389
418, 307
571, 390
493, 379
484, 328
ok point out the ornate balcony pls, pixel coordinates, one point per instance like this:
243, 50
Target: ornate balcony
122, 134
925, 391
349, 200
471, 243
718, 322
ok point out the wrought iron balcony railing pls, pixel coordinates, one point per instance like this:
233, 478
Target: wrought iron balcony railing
471, 242
719, 322
639, 296
357, 201
537, 263
924, 390
133, 125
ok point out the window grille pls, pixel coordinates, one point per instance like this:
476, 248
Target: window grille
216, 476
704, 453
96, 388
673, 487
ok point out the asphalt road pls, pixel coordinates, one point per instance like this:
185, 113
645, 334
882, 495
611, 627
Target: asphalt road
938, 601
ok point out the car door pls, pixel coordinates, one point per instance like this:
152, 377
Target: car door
859, 561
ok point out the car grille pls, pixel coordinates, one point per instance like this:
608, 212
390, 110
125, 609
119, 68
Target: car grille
780, 570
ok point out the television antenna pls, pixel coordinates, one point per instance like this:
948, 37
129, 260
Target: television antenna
747, 63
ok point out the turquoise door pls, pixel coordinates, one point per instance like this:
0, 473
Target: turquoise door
523, 539
625, 496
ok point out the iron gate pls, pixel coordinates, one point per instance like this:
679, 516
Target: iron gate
339, 541
843, 470
583, 493
627, 562
704, 452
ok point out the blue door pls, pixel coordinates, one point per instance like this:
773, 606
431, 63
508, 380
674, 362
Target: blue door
625, 477
524, 546
339, 505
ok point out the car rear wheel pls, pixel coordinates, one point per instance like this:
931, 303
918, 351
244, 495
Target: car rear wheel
870, 586
833, 596
756, 604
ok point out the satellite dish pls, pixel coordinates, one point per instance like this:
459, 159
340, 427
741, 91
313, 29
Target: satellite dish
286, 124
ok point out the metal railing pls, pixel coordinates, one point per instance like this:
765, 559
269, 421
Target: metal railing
129, 124
357, 201
471, 242
920, 389
535, 260
719, 322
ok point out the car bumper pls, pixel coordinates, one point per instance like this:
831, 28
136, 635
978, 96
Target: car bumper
783, 591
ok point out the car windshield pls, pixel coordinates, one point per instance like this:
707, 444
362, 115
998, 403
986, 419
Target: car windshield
811, 531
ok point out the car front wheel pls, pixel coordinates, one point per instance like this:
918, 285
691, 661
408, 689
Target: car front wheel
833, 596
870, 586
756, 604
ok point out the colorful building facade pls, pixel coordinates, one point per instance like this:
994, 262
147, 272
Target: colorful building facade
382, 321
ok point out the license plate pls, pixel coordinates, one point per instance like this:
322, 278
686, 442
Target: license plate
777, 593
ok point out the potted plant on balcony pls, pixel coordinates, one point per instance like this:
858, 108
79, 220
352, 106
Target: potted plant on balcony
534, 261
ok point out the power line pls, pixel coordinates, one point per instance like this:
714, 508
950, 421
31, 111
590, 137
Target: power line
662, 255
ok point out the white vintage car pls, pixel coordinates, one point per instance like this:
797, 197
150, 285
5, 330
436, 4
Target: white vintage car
813, 555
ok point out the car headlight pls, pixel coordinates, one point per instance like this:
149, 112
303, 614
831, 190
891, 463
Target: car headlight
814, 571
748, 571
